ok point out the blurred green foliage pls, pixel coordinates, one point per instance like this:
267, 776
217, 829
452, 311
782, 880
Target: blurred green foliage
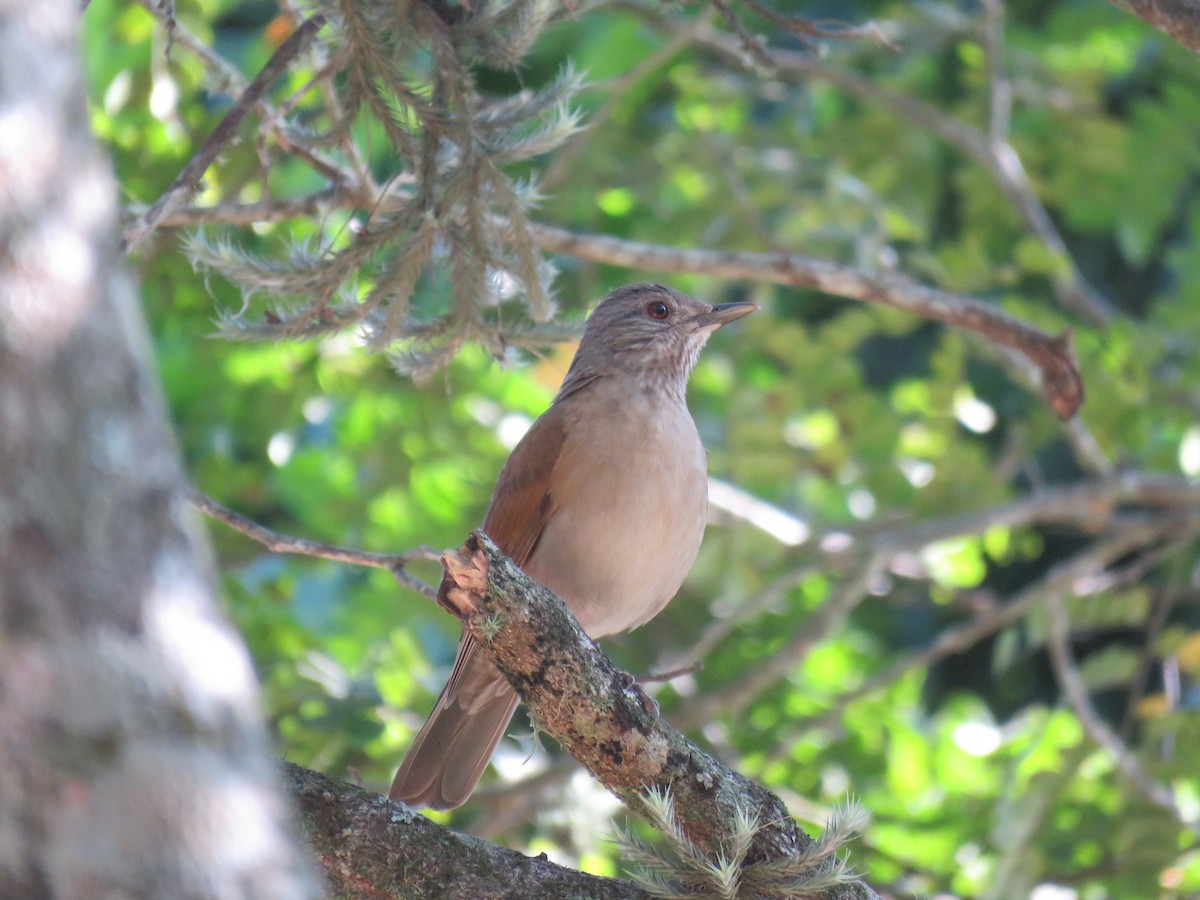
856, 419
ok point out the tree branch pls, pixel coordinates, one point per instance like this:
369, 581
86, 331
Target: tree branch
1180, 19
997, 156
278, 543
1061, 382
372, 848
1090, 507
1074, 577
189, 178
1070, 680
577, 695
1052, 357
815, 629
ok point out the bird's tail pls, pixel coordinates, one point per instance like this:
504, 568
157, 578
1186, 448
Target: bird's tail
453, 748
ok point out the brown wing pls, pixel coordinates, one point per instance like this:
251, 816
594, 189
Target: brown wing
522, 502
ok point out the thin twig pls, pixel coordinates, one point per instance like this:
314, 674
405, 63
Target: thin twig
231, 79
616, 91
178, 33
1164, 602
810, 633
395, 563
1070, 680
827, 30
252, 213
670, 675
1000, 88
1071, 288
1068, 578
1086, 449
1089, 506
190, 177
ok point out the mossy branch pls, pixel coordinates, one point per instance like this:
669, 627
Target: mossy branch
576, 694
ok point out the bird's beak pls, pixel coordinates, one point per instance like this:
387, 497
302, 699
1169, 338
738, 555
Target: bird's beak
724, 313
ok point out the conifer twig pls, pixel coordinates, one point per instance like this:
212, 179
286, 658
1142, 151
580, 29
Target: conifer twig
190, 177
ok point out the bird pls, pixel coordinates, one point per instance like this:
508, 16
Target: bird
603, 501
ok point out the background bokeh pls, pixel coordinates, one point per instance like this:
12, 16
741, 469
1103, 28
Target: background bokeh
873, 453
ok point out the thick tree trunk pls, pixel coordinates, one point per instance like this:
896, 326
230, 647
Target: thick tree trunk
132, 756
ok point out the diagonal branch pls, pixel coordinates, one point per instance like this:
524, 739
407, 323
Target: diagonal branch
1074, 577
576, 694
1089, 507
997, 156
816, 629
1178, 18
1070, 680
189, 178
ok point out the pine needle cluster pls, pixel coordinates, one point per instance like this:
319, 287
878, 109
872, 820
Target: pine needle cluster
682, 870
449, 209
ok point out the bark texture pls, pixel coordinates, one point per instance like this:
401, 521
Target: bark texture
371, 847
1178, 18
594, 710
133, 761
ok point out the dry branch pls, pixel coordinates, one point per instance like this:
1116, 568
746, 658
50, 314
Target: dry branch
1061, 381
396, 563
189, 178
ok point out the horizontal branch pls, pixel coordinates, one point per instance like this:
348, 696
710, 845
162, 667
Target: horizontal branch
1092, 507
1052, 357
576, 694
280, 543
1061, 382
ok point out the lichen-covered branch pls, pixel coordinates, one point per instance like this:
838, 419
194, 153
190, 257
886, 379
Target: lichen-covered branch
372, 848
576, 694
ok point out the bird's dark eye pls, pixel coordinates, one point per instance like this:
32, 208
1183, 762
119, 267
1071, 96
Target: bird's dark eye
658, 310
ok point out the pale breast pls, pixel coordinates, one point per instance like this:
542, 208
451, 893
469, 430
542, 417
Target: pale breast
630, 501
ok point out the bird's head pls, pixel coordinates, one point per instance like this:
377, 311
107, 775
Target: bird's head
651, 332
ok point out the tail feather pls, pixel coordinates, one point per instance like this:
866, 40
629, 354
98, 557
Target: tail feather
453, 748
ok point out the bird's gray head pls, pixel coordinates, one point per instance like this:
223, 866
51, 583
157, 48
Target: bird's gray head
650, 332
